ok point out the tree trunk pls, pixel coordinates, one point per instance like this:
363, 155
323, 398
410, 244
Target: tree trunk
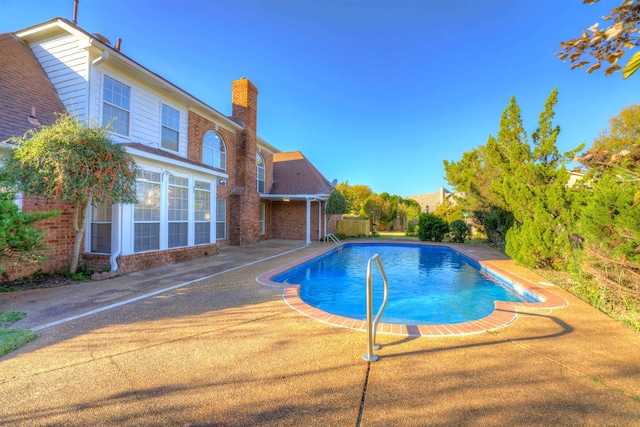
79, 224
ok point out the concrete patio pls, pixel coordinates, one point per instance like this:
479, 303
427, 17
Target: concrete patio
229, 351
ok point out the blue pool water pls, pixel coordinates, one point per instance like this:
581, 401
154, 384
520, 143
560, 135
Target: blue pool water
427, 284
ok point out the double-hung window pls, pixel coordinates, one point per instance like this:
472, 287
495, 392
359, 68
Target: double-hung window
116, 105
170, 128
101, 228
146, 213
221, 218
202, 213
178, 211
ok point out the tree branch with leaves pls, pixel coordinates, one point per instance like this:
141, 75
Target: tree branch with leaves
607, 45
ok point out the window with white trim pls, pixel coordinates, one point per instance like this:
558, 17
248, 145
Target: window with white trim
263, 209
178, 227
214, 152
146, 213
116, 106
101, 228
170, 128
260, 173
221, 218
202, 213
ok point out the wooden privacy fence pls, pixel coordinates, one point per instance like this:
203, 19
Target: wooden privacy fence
354, 227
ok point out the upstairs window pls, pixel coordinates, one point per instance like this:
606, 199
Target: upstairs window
214, 152
116, 106
260, 173
170, 128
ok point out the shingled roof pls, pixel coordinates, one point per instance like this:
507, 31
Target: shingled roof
27, 97
293, 174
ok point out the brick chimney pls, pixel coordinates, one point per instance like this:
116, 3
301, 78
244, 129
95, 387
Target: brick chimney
244, 202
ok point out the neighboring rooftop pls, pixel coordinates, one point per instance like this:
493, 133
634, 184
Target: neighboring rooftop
433, 200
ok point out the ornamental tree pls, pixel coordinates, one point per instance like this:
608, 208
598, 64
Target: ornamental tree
337, 204
71, 161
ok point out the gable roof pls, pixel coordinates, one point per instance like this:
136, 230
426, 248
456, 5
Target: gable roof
24, 86
293, 174
100, 47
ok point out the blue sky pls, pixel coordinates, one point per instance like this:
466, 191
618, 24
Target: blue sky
373, 92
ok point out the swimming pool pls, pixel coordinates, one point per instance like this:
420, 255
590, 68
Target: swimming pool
428, 285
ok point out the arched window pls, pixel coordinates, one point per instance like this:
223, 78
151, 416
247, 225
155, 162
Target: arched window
259, 173
214, 152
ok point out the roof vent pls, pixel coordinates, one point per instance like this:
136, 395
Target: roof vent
32, 117
102, 38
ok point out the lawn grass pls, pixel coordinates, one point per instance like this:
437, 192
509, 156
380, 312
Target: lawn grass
12, 339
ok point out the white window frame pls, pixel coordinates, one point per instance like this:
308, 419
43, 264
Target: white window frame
202, 217
115, 128
146, 177
218, 154
261, 170
221, 218
170, 121
178, 215
263, 209
96, 218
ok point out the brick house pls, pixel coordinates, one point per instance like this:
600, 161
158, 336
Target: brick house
207, 180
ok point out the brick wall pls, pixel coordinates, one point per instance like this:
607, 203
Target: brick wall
244, 202
59, 238
198, 127
147, 260
288, 220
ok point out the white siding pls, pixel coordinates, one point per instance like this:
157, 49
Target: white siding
146, 110
67, 66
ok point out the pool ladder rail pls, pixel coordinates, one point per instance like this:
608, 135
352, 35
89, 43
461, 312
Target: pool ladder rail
372, 323
334, 239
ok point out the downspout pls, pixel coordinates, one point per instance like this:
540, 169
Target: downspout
115, 254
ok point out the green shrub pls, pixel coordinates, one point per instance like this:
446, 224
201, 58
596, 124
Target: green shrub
459, 231
411, 229
431, 227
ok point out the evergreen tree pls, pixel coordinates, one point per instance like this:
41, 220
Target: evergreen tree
19, 240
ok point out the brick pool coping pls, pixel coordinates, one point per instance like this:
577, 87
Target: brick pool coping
504, 314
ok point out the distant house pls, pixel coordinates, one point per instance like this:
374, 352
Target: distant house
207, 179
429, 202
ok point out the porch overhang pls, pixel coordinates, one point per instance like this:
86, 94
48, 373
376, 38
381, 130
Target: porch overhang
308, 198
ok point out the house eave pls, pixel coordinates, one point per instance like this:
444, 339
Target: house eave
161, 159
299, 197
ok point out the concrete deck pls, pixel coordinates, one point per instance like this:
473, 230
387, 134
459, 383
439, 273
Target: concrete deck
226, 350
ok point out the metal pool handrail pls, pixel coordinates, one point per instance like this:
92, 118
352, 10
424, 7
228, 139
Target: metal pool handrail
372, 323
334, 239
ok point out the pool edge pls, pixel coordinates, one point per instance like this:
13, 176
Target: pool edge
503, 314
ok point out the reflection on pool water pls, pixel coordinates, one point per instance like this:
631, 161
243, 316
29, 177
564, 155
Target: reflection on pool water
428, 285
